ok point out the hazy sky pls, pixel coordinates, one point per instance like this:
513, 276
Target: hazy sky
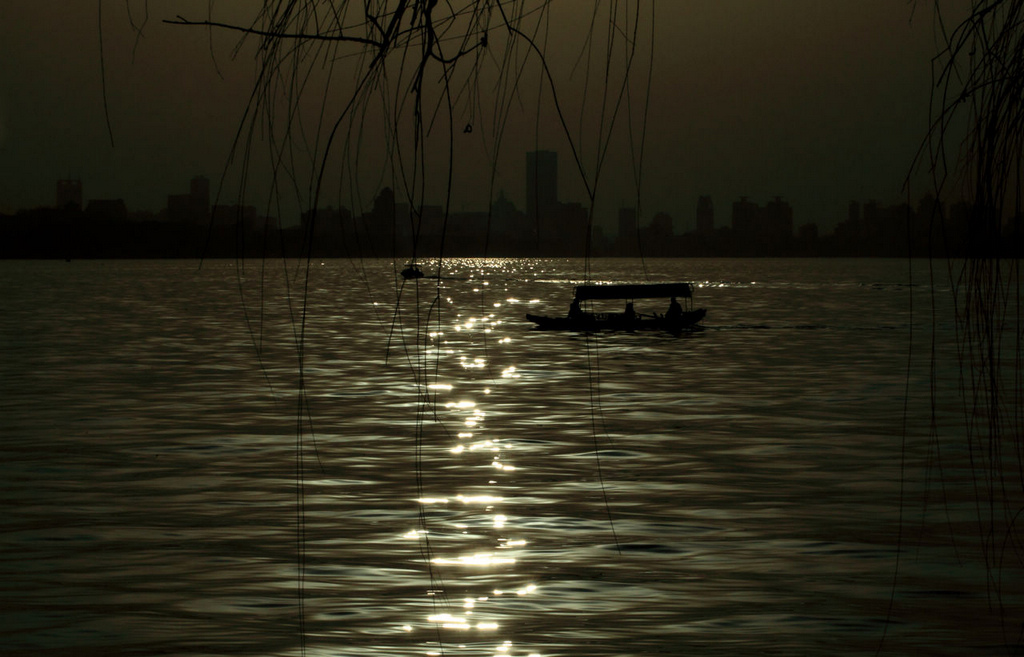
818, 101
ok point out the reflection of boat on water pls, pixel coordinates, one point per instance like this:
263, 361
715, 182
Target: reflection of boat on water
412, 271
676, 319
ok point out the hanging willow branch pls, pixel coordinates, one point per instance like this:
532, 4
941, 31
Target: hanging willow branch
975, 149
423, 68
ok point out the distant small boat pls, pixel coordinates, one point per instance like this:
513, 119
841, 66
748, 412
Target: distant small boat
675, 320
412, 271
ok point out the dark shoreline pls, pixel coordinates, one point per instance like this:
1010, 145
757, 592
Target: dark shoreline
33, 236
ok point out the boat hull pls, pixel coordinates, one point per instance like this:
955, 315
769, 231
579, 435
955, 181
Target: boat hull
593, 323
412, 272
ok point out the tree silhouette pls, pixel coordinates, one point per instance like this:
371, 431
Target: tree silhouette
974, 150
383, 89
428, 71
339, 84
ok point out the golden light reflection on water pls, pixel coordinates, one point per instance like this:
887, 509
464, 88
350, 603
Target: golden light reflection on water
479, 499
465, 533
704, 566
478, 559
502, 650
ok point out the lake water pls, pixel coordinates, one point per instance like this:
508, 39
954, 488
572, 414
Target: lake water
464, 485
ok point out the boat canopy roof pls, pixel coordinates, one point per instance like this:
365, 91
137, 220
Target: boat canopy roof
634, 291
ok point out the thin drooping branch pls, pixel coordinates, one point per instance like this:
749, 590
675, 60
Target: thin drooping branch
424, 61
975, 151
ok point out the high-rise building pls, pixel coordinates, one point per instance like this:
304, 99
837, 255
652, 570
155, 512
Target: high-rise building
767, 230
660, 229
705, 216
541, 183
69, 194
745, 215
777, 220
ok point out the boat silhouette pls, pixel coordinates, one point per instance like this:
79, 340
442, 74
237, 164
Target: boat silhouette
676, 319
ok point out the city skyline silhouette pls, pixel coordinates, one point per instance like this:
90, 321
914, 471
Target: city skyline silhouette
819, 105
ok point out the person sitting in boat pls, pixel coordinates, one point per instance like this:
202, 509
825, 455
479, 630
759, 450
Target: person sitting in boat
574, 309
674, 309
630, 313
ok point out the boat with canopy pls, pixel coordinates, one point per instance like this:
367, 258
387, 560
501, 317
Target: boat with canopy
677, 318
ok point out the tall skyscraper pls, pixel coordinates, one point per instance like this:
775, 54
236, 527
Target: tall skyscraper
745, 215
541, 183
705, 216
